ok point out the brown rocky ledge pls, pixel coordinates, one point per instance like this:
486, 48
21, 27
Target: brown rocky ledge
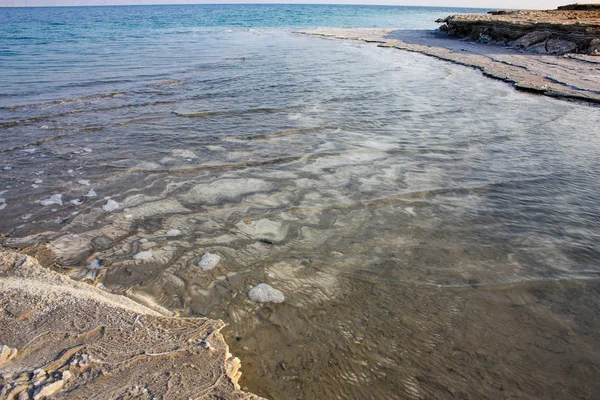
572, 29
572, 76
67, 339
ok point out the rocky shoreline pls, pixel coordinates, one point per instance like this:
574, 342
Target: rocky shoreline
566, 30
570, 77
68, 339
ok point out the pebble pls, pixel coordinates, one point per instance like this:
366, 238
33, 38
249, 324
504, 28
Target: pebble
209, 261
264, 293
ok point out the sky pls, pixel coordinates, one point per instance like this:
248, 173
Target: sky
501, 4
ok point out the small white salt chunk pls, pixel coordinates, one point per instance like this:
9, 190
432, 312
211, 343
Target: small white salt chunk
87, 149
91, 193
143, 255
95, 264
209, 261
110, 205
44, 127
38, 181
76, 202
28, 150
70, 172
143, 240
2, 206
33, 185
173, 232
7, 167
84, 182
264, 293
26, 216
54, 199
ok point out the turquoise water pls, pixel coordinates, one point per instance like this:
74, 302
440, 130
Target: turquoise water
401, 204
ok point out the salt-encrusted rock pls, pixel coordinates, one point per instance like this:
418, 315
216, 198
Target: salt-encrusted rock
209, 261
594, 47
48, 390
264, 293
173, 232
110, 205
7, 354
84, 182
54, 199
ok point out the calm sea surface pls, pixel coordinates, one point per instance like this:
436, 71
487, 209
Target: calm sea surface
436, 234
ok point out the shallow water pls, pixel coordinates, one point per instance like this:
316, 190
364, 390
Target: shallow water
422, 221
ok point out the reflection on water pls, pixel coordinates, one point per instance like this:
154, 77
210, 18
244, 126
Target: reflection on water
435, 234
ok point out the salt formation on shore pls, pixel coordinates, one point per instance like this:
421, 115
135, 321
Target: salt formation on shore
66, 338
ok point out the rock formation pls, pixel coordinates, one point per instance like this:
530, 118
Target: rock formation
568, 30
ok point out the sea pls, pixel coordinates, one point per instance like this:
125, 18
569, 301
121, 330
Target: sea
435, 233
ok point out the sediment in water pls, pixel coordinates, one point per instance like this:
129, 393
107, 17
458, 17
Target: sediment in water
64, 338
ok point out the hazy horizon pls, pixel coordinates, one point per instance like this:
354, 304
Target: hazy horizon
520, 4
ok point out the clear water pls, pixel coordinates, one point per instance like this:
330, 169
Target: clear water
410, 210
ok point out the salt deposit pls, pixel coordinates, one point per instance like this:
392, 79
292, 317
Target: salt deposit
54, 199
110, 205
173, 232
209, 261
38, 181
84, 182
91, 193
184, 153
264, 293
2, 206
143, 255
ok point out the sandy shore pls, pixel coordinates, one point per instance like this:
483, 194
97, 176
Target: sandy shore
573, 76
68, 339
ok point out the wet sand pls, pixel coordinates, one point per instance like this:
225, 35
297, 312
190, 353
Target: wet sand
573, 76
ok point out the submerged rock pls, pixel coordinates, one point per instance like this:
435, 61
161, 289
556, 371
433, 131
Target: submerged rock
209, 261
264, 293
54, 199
